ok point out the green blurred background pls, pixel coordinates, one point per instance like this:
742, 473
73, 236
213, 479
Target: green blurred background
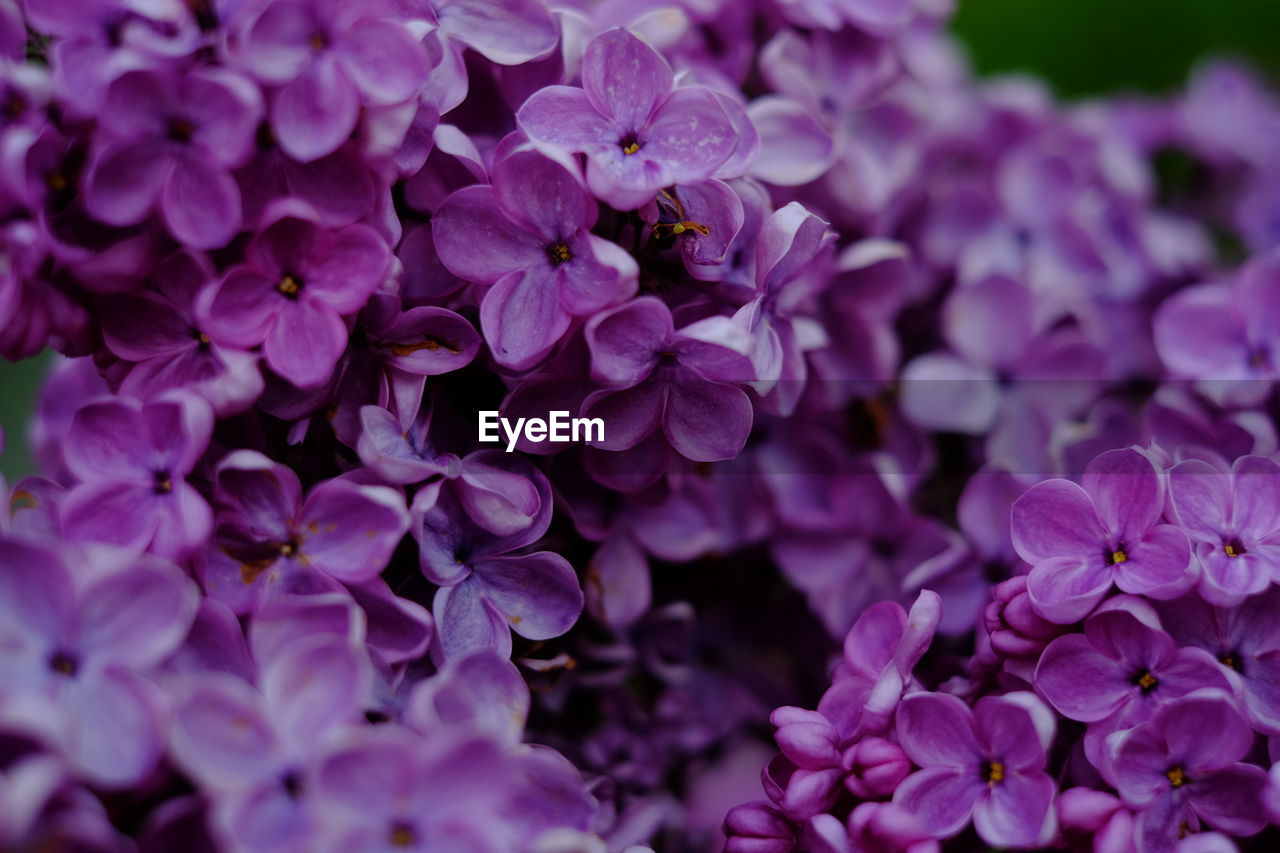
1081, 47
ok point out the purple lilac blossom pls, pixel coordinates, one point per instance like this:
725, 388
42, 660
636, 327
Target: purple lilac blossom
864, 332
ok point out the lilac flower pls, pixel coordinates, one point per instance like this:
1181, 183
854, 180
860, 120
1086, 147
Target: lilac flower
1081, 540
160, 332
537, 251
255, 750
1234, 521
871, 828
1119, 672
75, 651
270, 540
880, 651
639, 134
679, 381
170, 143
467, 530
1245, 640
987, 763
758, 828
1184, 767
1223, 333
329, 59
291, 295
132, 460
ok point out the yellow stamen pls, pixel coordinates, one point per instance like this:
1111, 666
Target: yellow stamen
1230, 550
1119, 557
632, 148
1146, 681
430, 343
56, 181
1176, 777
402, 836
995, 772
289, 286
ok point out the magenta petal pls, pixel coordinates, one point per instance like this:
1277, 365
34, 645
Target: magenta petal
1013, 813
507, 32
125, 182
136, 617
476, 241
625, 341
316, 112
220, 734
467, 621
1256, 480
349, 531
1127, 491
543, 196
706, 422
1204, 731
102, 443
1159, 564
1228, 800
263, 493
200, 204
522, 318
1065, 589
794, 148
37, 600
563, 117
243, 308
115, 728
398, 629
384, 60
313, 686
347, 268
941, 797
936, 730
139, 327
110, 512
1201, 496
630, 416
1015, 728
538, 593
624, 78
1080, 681
184, 523
690, 135
305, 343
1056, 518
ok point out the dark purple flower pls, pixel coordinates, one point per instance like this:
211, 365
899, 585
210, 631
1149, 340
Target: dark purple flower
1234, 522
132, 460
639, 133
298, 283
1245, 640
161, 333
74, 652
467, 530
170, 143
758, 828
529, 236
988, 763
1119, 672
1081, 540
329, 59
1185, 767
269, 540
682, 382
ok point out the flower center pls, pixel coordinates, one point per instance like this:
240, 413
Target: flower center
402, 835
1177, 776
629, 144
56, 181
1233, 548
1145, 681
559, 252
163, 483
181, 130
289, 286
63, 663
1117, 555
993, 773
318, 41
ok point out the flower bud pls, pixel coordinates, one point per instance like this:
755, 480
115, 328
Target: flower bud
875, 766
758, 828
1016, 630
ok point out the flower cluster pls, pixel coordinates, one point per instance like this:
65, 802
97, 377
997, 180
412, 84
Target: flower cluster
861, 331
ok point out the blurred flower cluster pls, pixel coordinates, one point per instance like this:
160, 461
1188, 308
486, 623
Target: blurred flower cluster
865, 333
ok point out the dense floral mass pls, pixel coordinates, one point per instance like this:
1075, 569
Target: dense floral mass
978, 384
